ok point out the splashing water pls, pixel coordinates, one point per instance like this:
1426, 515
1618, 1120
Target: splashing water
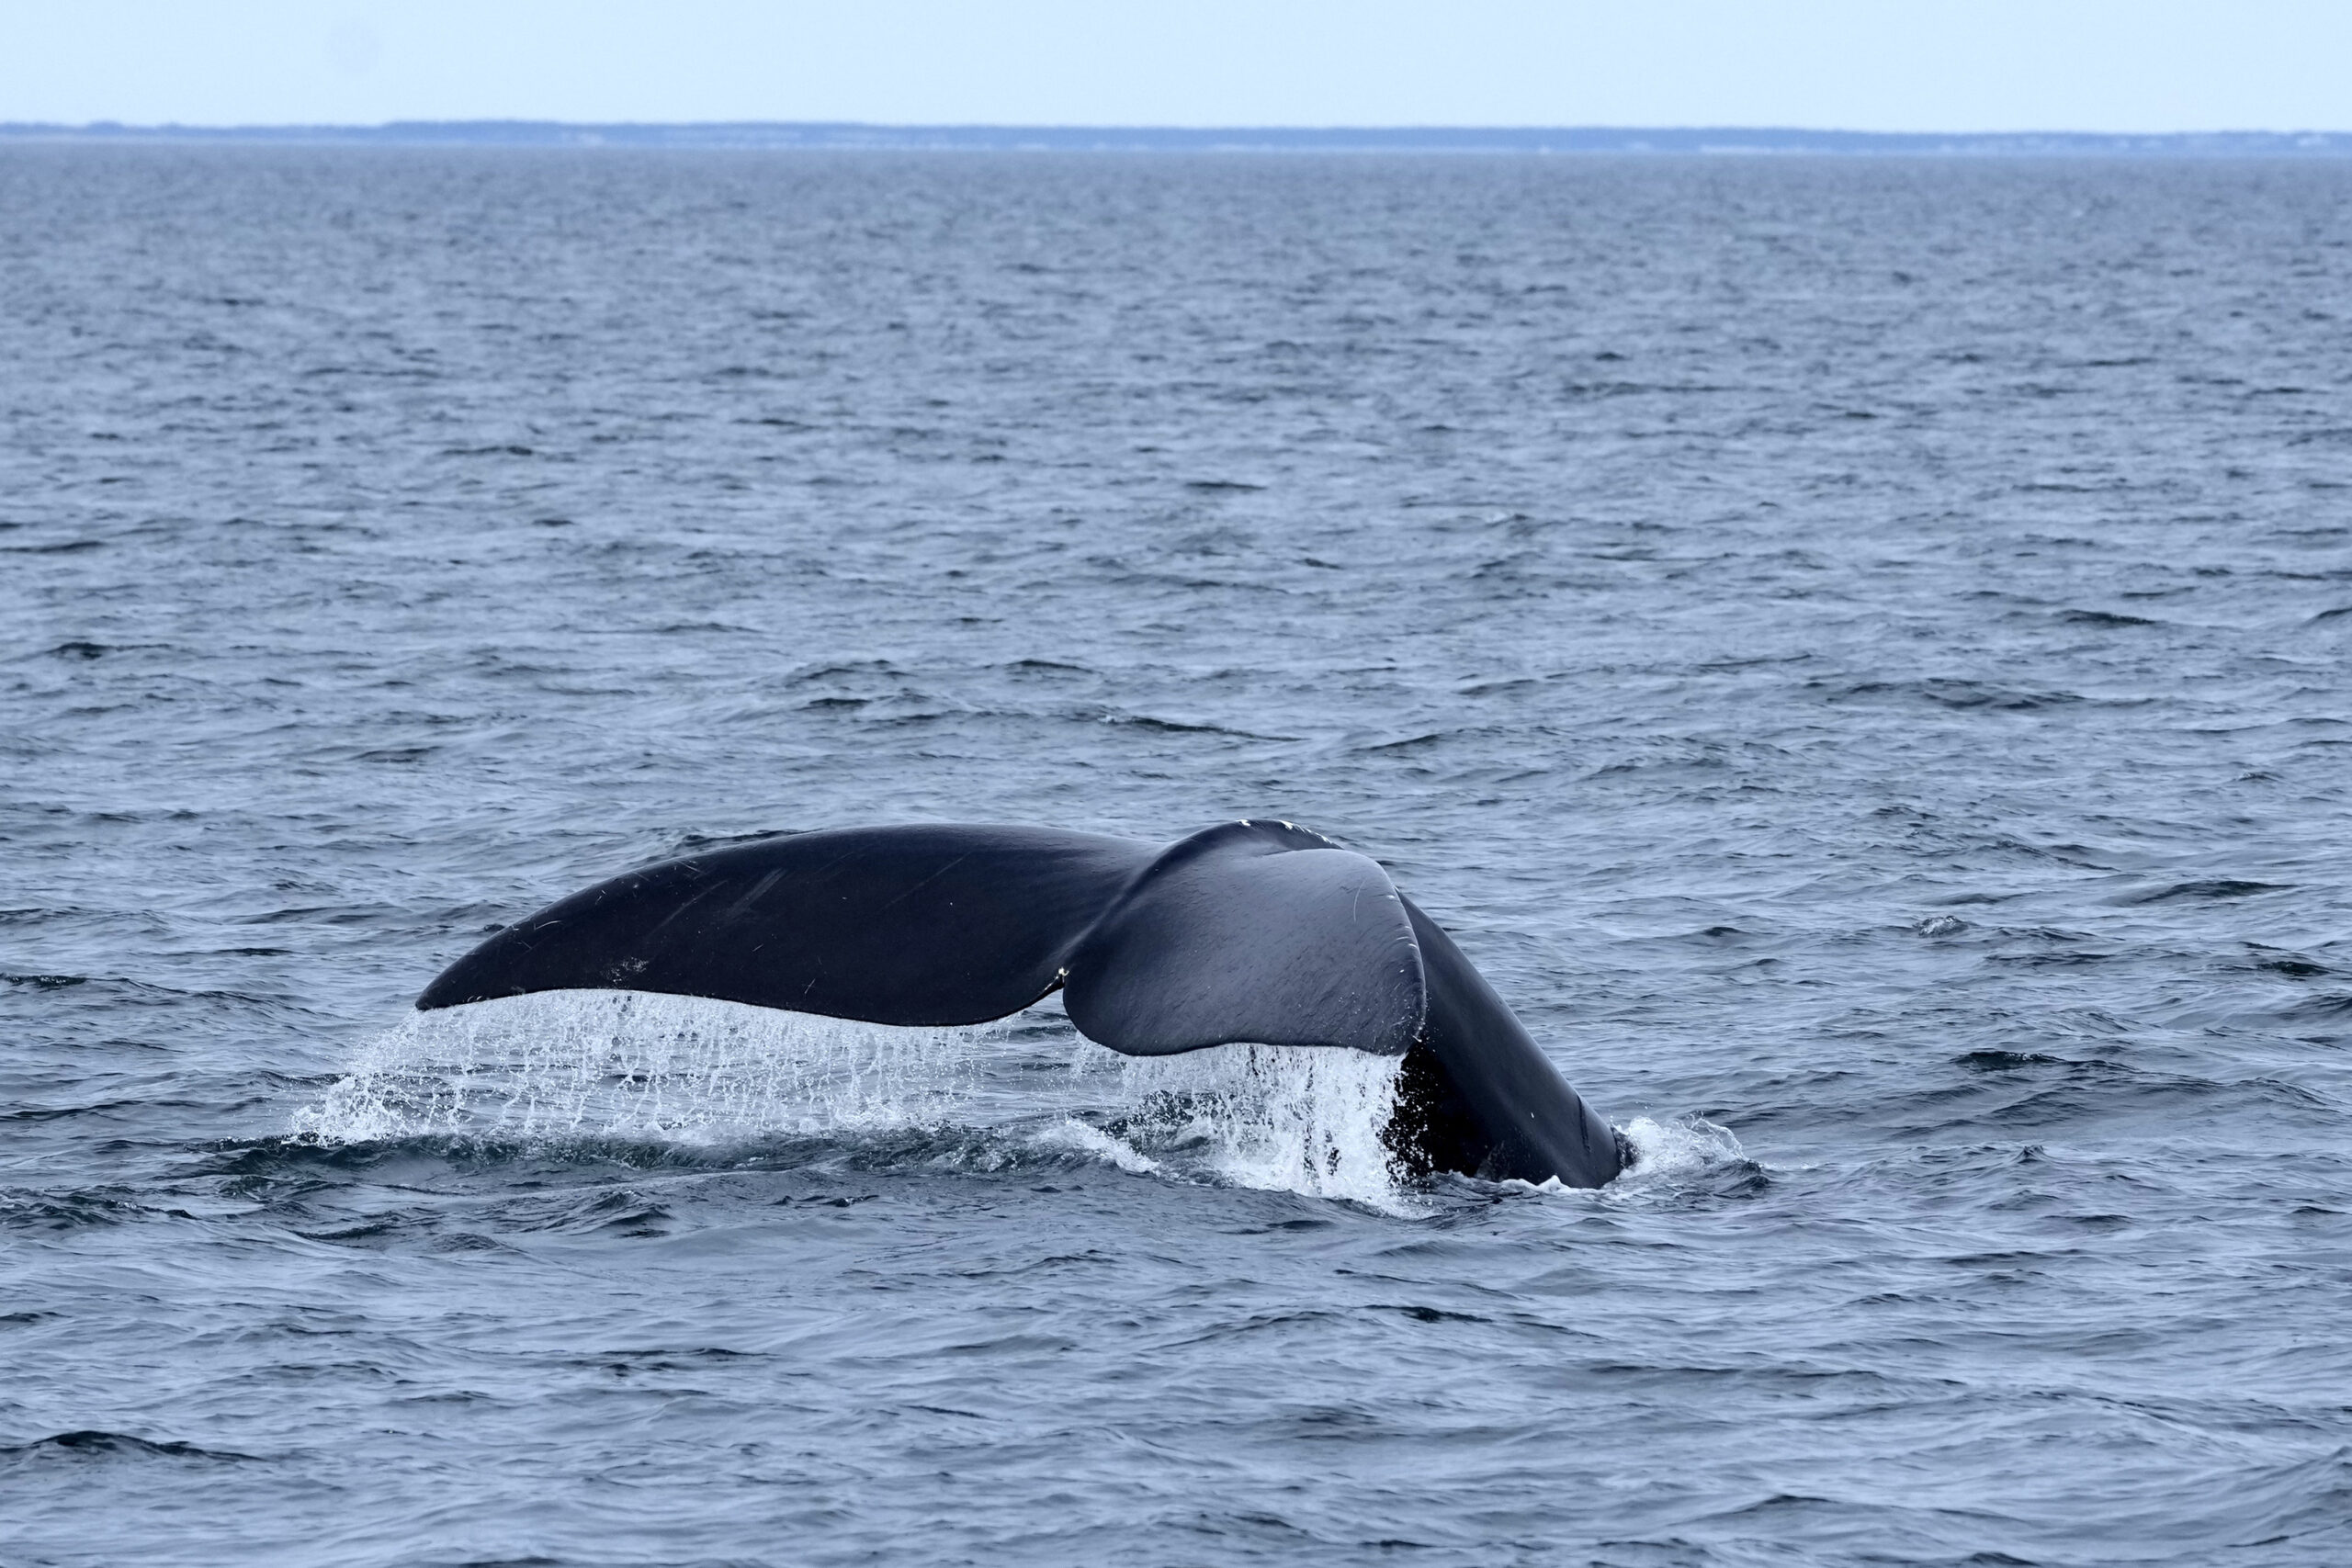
1302, 1120
1687, 1146
1665, 1154
567, 1065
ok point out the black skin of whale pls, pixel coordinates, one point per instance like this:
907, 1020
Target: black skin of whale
1256, 931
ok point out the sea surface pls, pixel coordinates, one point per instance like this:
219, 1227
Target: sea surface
1855, 650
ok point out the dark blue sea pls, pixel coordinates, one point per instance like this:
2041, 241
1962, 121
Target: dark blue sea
1855, 649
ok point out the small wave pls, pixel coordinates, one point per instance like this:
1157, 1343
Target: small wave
1080, 1137
1684, 1152
73, 1210
2210, 887
91, 1444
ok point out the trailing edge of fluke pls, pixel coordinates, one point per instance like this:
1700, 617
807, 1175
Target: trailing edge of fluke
1256, 931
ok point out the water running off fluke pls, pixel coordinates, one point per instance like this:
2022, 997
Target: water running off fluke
587, 1067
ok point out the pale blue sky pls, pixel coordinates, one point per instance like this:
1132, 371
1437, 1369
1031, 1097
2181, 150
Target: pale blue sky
1883, 65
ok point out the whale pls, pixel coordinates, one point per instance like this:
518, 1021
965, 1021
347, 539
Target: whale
1254, 931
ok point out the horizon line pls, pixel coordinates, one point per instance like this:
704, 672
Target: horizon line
1011, 137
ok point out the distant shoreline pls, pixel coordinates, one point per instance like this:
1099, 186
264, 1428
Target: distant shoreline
1723, 140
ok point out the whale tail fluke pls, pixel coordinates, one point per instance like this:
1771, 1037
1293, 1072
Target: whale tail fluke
1248, 932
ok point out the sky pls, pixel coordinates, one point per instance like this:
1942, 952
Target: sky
2101, 65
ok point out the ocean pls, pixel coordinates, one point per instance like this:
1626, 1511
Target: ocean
1855, 649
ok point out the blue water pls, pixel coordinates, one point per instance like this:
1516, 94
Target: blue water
1855, 650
